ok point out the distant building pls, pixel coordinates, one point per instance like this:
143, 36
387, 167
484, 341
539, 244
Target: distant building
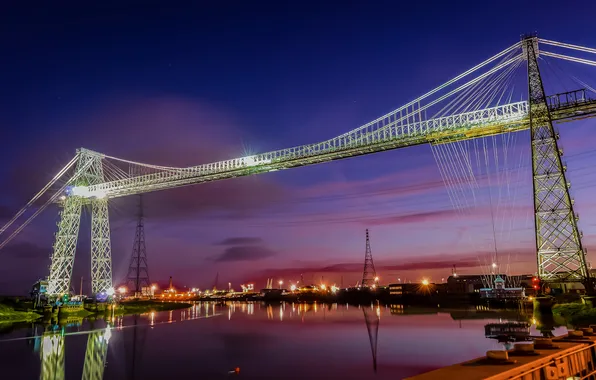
403, 289
473, 283
465, 283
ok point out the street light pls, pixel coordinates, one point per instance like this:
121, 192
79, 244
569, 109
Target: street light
280, 283
293, 288
122, 290
425, 282
377, 279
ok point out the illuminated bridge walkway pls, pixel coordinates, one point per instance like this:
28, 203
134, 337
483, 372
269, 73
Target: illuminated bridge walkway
474, 104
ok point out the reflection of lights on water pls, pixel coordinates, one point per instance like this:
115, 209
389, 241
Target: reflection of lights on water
229, 313
281, 314
269, 312
378, 312
152, 318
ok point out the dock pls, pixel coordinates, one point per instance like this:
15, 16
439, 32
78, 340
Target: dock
572, 356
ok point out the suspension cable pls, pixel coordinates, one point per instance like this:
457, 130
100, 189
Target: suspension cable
51, 200
569, 58
40, 193
568, 46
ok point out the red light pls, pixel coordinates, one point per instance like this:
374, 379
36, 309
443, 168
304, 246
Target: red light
534, 279
535, 286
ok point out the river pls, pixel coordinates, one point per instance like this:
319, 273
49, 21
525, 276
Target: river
253, 341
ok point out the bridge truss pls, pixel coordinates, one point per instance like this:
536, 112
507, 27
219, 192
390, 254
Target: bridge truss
476, 108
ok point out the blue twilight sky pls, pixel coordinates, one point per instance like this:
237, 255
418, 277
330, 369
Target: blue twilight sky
185, 83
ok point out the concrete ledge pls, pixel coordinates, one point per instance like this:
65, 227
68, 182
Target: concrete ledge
484, 368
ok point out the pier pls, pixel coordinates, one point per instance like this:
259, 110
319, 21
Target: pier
572, 356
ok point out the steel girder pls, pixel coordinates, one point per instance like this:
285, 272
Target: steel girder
560, 255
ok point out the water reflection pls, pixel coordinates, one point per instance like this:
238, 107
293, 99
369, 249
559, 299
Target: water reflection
96, 354
51, 348
52, 356
372, 317
263, 341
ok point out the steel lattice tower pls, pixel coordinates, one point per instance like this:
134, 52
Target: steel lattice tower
89, 172
561, 257
369, 274
138, 270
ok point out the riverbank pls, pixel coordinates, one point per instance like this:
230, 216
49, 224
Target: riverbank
147, 306
9, 314
576, 314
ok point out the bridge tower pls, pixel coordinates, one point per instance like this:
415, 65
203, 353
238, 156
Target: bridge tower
369, 274
89, 171
138, 270
561, 257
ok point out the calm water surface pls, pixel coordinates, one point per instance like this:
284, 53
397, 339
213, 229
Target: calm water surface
265, 342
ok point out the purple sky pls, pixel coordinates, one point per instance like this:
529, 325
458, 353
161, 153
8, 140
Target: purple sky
173, 90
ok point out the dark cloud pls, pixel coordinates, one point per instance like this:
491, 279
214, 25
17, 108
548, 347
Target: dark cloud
412, 218
240, 241
245, 253
26, 250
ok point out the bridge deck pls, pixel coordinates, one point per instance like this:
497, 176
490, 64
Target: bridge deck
568, 354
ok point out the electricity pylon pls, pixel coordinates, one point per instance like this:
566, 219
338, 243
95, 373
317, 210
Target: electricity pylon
561, 257
138, 270
369, 275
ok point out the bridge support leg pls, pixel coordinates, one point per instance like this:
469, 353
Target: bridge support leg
101, 248
560, 254
65, 247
